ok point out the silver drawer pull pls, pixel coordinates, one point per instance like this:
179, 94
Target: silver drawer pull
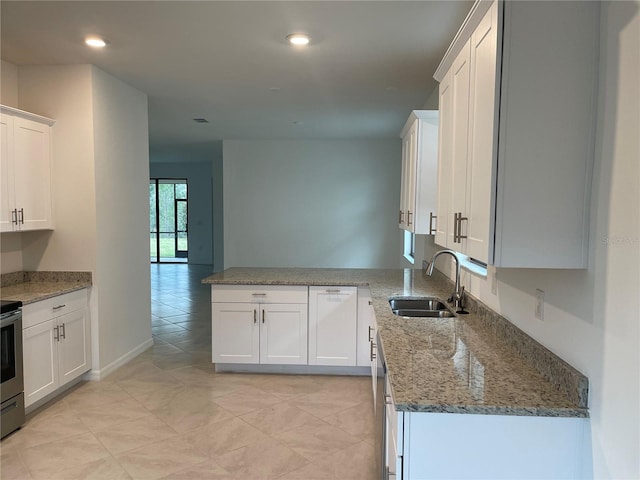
387, 399
332, 290
63, 332
259, 294
60, 306
56, 335
370, 337
372, 354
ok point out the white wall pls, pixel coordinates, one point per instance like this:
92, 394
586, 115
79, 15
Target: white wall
200, 205
312, 203
121, 158
591, 317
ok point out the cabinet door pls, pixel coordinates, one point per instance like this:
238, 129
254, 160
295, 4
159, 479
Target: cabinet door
73, 349
40, 356
459, 142
332, 325
482, 138
366, 332
235, 333
7, 192
283, 334
32, 173
409, 163
445, 162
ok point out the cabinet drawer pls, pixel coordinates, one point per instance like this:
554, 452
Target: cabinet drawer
38, 312
259, 294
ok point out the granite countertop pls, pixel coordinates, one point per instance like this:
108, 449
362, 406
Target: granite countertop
30, 287
477, 363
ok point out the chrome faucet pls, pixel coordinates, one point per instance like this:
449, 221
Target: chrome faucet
457, 297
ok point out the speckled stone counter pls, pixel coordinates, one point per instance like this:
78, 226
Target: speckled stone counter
29, 287
477, 363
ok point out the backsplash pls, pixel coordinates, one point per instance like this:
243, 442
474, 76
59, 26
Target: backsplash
14, 278
555, 370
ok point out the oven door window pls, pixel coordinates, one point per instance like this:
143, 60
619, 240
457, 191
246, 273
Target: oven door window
8, 352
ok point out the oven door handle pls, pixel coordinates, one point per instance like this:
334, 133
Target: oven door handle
10, 317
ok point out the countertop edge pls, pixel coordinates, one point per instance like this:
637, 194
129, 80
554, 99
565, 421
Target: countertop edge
32, 286
559, 412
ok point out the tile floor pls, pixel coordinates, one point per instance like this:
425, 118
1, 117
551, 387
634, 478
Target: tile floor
166, 414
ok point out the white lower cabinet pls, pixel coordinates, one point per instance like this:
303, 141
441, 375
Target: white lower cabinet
422, 446
366, 327
247, 328
333, 325
292, 325
56, 344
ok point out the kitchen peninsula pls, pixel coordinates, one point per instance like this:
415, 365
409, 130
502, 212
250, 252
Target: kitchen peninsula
474, 383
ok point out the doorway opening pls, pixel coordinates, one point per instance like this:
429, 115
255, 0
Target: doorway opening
168, 215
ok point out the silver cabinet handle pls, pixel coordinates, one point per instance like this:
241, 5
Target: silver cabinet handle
63, 333
372, 354
21, 216
263, 315
370, 330
56, 335
401, 217
332, 290
409, 213
255, 316
387, 399
14, 216
432, 229
457, 227
259, 294
59, 306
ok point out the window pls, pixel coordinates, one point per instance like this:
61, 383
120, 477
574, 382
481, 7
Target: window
409, 246
168, 220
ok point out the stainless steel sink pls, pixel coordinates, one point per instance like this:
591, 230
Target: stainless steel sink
420, 307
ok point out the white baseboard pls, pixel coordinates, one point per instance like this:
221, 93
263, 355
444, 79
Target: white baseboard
96, 375
292, 369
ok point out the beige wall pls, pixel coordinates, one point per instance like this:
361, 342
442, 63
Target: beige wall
100, 178
9, 84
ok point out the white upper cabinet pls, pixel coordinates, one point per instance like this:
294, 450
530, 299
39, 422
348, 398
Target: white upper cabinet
25, 169
419, 172
518, 102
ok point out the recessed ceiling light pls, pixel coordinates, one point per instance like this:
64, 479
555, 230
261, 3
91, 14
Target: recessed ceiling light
96, 42
298, 39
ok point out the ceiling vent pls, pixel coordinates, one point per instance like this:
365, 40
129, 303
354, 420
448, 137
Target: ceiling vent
201, 120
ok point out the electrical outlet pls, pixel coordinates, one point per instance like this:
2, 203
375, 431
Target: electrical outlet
494, 282
539, 312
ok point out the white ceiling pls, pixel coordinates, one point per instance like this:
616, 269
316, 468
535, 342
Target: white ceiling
368, 65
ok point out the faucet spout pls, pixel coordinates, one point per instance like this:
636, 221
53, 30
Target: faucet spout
457, 297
